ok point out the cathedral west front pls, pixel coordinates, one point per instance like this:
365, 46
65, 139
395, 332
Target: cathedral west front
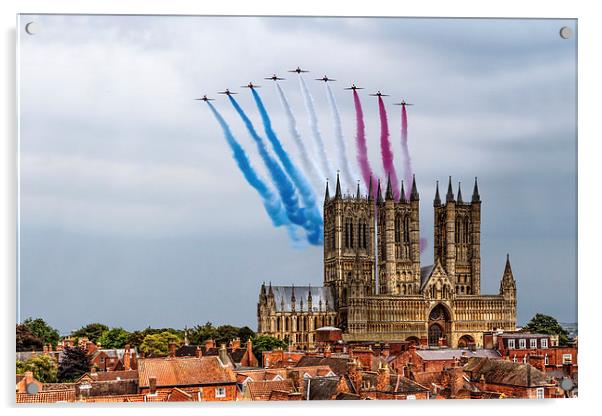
375, 288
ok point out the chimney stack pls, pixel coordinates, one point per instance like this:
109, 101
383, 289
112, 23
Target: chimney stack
209, 344
327, 351
126, 358
235, 344
223, 354
172, 349
152, 385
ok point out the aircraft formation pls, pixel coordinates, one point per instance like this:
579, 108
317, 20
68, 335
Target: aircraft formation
298, 70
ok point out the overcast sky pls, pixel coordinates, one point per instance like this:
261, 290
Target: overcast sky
133, 212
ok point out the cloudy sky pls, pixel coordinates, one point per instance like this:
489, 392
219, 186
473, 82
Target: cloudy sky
133, 212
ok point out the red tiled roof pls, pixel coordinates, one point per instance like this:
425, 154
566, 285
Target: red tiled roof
47, 397
113, 375
184, 371
261, 390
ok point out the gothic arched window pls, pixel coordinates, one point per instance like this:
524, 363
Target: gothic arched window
398, 228
406, 229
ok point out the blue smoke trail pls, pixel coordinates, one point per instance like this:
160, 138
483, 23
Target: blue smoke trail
307, 195
308, 163
271, 202
313, 124
342, 149
284, 186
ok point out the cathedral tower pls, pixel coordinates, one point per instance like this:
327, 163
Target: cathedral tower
457, 239
398, 241
348, 244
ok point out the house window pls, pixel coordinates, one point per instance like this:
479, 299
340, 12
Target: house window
522, 343
220, 392
511, 344
533, 343
514, 359
546, 359
567, 359
539, 393
544, 343
102, 360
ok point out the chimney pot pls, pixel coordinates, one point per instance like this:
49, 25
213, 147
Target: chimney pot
152, 385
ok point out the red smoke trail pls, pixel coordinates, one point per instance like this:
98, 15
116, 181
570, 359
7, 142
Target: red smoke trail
385, 148
362, 148
407, 161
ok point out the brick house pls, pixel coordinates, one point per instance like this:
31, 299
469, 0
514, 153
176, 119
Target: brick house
432, 360
541, 350
510, 379
207, 378
114, 359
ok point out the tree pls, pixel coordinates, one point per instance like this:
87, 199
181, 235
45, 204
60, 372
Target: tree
201, 333
74, 364
157, 345
114, 338
245, 333
544, 324
91, 331
27, 340
42, 330
263, 343
43, 367
226, 333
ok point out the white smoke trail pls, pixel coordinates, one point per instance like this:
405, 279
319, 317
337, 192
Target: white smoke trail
313, 124
348, 176
308, 163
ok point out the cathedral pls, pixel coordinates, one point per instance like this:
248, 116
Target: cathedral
375, 288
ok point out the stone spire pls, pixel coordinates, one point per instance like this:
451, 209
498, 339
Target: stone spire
460, 193
358, 193
450, 193
270, 291
370, 196
414, 195
338, 194
379, 196
389, 192
293, 299
327, 193
309, 300
475, 192
402, 194
437, 200
508, 285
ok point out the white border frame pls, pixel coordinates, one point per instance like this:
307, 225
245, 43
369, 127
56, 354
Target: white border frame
589, 149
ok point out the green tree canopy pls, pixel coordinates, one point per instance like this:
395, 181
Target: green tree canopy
43, 367
544, 324
263, 343
114, 338
91, 331
157, 345
27, 340
221, 334
200, 333
245, 333
74, 364
43, 331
